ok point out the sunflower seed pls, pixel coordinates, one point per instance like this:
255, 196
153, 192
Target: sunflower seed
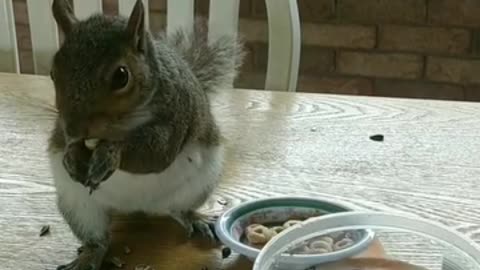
127, 250
143, 267
377, 138
45, 230
117, 262
222, 201
226, 252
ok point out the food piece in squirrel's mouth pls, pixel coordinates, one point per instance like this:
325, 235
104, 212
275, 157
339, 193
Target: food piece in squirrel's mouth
91, 143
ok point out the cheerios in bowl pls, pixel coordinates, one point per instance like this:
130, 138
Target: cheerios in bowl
247, 227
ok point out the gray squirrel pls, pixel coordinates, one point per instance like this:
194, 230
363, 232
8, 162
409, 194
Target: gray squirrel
145, 99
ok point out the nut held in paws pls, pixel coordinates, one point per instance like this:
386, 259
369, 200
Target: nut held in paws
91, 143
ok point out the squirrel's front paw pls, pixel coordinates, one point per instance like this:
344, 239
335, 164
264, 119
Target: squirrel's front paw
197, 224
103, 163
75, 161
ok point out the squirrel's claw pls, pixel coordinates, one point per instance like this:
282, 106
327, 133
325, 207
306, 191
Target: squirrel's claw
89, 259
195, 224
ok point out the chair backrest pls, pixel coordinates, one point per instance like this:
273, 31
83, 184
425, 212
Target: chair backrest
283, 32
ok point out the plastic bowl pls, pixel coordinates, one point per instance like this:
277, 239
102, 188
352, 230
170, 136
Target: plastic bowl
230, 227
448, 248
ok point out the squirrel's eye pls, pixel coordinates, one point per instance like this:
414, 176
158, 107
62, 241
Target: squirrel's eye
120, 78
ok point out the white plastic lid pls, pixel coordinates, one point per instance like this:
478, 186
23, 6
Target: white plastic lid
457, 252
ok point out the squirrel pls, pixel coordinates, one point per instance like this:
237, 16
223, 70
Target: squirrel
145, 99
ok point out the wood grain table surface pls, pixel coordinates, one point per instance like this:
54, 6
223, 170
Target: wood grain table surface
278, 144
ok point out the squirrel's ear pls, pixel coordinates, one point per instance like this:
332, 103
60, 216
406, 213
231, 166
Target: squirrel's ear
136, 26
64, 16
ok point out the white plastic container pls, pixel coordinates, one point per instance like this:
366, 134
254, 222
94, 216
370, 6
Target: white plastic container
455, 251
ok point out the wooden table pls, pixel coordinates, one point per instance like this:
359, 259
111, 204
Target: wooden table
278, 144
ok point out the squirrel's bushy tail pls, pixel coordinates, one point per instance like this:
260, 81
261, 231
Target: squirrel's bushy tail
214, 63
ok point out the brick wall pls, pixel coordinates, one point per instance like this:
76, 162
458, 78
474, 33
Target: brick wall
404, 48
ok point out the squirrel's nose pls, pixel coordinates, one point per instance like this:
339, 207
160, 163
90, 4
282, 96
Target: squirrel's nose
97, 127
93, 127
74, 127
75, 131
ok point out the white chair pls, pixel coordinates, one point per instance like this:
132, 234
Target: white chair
283, 21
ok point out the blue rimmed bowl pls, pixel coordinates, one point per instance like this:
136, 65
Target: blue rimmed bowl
230, 227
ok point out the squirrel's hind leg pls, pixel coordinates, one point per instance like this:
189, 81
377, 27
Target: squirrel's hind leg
89, 223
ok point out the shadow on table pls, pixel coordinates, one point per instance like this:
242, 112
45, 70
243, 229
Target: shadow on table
163, 244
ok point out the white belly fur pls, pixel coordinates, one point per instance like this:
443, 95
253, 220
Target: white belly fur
195, 171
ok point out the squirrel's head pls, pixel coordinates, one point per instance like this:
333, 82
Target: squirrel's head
100, 73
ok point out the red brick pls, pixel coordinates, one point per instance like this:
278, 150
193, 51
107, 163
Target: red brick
343, 36
157, 5
259, 9
158, 21
454, 12
21, 12
110, 7
313, 60
476, 42
312, 84
253, 30
24, 42
335, 85
310, 10
245, 8
472, 93
26, 62
453, 70
251, 76
22, 26
249, 60
202, 7
385, 65
325, 35
418, 89
424, 39
382, 11
250, 80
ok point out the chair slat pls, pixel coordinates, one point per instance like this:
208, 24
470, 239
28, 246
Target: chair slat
8, 39
85, 8
284, 45
180, 15
223, 18
125, 9
44, 34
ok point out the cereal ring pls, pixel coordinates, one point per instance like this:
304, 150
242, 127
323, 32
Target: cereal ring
309, 250
320, 244
352, 235
270, 234
327, 239
291, 223
336, 235
277, 229
344, 243
258, 234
